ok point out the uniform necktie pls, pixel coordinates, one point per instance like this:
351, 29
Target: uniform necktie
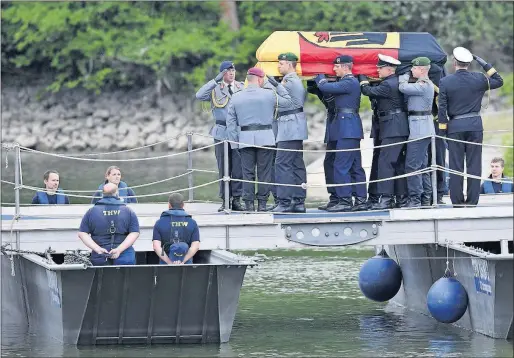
230, 90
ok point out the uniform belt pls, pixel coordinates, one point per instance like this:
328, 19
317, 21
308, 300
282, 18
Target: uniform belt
346, 110
393, 111
255, 127
420, 113
221, 123
466, 115
293, 111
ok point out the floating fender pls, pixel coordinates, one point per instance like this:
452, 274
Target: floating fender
447, 300
380, 277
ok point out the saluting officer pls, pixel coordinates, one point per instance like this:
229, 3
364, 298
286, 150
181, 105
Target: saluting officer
113, 227
328, 164
460, 98
249, 122
345, 132
218, 92
394, 128
420, 97
292, 130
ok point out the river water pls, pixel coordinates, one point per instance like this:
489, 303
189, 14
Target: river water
294, 304
297, 304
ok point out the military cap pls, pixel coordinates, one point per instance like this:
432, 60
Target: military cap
255, 71
384, 60
343, 59
462, 54
288, 56
225, 65
421, 61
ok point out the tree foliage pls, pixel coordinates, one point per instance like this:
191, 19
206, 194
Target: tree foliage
180, 44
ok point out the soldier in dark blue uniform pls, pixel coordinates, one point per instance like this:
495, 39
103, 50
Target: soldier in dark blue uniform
328, 164
176, 238
394, 128
345, 132
460, 98
113, 228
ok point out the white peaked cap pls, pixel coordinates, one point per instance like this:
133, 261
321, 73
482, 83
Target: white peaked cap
462, 54
388, 61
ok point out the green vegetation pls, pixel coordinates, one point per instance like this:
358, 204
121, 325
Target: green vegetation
509, 156
178, 45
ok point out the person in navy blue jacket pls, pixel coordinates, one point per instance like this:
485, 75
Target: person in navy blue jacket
345, 132
52, 194
176, 237
496, 186
110, 228
113, 175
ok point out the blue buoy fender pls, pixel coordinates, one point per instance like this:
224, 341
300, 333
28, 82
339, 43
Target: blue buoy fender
380, 278
447, 300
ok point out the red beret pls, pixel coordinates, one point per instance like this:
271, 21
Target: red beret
256, 72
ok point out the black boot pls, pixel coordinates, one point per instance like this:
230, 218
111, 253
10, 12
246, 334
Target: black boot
384, 203
222, 207
261, 205
249, 205
360, 204
297, 206
372, 199
402, 201
345, 204
414, 201
333, 201
282, 207
426, 201
236, 204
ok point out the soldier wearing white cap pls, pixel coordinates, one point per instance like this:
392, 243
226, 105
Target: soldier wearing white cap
460, 99
393, 128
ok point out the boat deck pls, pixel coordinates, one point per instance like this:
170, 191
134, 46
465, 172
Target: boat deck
491, 220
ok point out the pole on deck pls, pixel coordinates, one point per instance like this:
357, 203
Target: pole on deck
434, 170
17, 185
190, 165
226, 174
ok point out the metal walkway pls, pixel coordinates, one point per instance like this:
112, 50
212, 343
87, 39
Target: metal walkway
57, 226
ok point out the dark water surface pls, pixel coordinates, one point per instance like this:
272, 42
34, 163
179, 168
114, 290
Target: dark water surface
296, 304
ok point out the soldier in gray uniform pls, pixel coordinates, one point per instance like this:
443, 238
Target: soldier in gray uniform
420, 96
292, 130
219, 92
249, 122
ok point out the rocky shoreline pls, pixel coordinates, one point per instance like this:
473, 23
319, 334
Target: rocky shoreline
75, 120
78, 121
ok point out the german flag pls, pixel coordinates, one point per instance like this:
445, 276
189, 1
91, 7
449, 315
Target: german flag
317, 50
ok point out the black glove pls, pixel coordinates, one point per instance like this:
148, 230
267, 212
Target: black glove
219, 77
362, 78
480, 61
272, 81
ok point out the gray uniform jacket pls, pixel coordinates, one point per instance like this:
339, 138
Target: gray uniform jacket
420, 96
219, 97
254, 106
292, 126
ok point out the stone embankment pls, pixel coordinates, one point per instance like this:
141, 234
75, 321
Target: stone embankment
79, 121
